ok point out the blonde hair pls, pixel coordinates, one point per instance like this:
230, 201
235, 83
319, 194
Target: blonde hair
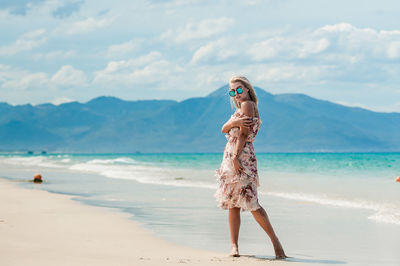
246, 83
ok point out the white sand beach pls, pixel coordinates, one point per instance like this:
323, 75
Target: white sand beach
42, 228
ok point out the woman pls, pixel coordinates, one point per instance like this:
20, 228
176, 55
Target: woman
238, 176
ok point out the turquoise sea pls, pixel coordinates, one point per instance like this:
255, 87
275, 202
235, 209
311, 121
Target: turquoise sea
327, 208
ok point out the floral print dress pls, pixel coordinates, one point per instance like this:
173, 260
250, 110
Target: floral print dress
239, 190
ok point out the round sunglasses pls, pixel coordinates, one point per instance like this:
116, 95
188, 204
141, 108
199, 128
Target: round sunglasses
232, 93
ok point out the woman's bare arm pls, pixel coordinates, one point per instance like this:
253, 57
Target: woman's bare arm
238, 122
248, 110
227, 126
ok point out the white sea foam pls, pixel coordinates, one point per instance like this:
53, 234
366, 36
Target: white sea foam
141, 173
31, 161
123, 160
63, 156
385, 212
386, 217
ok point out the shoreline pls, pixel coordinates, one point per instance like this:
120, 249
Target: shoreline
41, 227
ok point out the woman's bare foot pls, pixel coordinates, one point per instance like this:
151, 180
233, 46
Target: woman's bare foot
279, 252
234, 251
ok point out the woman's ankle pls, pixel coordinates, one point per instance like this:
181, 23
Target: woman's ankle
234, 251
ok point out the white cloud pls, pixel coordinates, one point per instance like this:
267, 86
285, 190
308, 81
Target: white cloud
13, 78
364, 42
127, 65
203, 52
123, 48
22, 80
17, 79
340, 27
25, 42
287, 47
61, 100
328, 44
393, 50
172, 3
87, 25
286, 72
213, 51
266, 49
68, 77
313, 47
148, 69
204, 29
57, 55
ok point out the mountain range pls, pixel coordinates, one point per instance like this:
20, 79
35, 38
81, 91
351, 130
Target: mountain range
290, 123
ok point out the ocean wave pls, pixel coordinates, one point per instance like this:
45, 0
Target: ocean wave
385, 212
386, 217
141, 173
121, 160
62, 156
31, 161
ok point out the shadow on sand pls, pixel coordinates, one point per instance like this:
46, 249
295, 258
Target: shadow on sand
293, 259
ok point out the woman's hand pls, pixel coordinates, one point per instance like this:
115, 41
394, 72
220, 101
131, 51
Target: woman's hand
243, 121
237, 166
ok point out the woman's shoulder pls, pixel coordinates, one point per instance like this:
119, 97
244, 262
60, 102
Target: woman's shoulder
247, 103
249, 108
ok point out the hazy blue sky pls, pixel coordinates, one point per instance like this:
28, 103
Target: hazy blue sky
343, 51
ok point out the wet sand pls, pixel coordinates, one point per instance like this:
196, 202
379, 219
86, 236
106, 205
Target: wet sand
42, 228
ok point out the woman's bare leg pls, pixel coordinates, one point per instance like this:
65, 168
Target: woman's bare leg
234, 225
260, 215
